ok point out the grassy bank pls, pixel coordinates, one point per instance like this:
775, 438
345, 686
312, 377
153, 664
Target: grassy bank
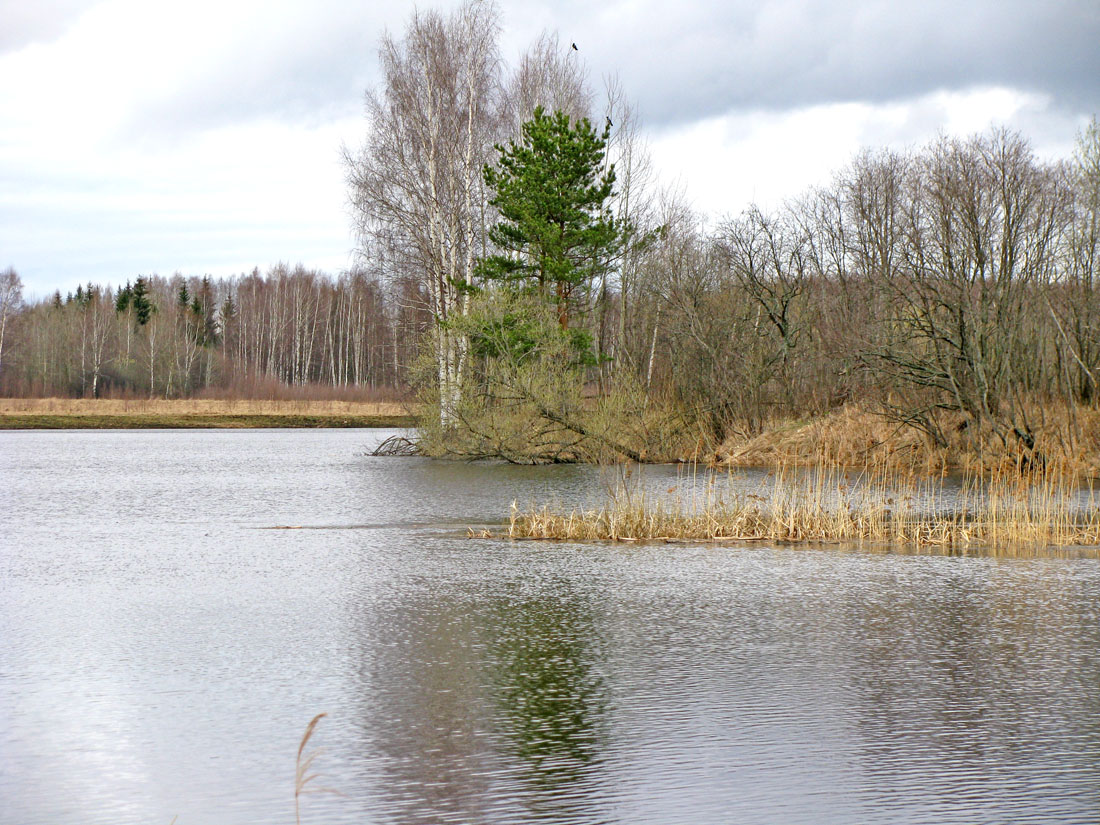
858, 437
67, 413
828, 506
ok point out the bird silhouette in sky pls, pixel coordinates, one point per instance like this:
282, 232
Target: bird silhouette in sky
574, 45
609, 123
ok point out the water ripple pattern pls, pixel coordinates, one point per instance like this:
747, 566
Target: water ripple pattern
162, 654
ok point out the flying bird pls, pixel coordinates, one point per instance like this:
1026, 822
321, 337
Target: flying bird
574, 45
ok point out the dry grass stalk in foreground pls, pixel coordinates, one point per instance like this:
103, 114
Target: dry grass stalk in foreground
303, 765
824, 506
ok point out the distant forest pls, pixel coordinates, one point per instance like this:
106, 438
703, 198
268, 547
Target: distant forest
177, 337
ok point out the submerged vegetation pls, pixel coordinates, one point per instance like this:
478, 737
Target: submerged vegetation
827, 504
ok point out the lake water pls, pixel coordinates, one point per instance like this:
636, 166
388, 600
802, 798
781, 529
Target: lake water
161, 653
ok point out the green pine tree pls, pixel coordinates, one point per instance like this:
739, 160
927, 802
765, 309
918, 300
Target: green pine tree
556, 232
203, 307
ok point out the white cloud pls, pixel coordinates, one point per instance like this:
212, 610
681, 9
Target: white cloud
726, 163
226, 201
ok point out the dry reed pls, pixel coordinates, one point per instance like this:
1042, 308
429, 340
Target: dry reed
827, 505
303, 765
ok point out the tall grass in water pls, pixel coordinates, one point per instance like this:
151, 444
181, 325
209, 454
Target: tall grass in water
828, 505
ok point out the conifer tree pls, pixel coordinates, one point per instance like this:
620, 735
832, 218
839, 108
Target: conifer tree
140, 301
125, 295
556, 230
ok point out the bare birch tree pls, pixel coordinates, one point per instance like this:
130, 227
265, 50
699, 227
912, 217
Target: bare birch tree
551, 76
416, 185
11, 294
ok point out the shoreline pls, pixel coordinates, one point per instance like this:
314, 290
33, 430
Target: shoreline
193, 422
130, 414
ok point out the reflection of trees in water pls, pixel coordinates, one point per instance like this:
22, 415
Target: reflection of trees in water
979, 680
486, 709
549, 691
422, 710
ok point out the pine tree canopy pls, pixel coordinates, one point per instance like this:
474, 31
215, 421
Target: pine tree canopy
551, 189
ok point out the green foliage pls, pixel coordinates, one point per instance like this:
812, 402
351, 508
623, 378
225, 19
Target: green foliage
515, 330
140, 302
124, 297
523, 394
556, 231
511, 335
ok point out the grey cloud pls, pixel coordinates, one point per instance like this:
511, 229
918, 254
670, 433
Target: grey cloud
36, 21
302, 62
708, 58
699, 59
303, 69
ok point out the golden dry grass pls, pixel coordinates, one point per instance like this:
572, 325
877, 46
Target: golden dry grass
825, 506
855, 436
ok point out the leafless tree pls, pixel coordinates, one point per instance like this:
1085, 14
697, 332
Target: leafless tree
1075, 300
766, 255
982, 220
11, 295
416, 184
551, 76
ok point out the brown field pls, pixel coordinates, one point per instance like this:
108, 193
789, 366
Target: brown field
194, 406
88, 413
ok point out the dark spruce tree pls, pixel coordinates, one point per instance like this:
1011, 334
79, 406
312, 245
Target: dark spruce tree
556, 235
140, 302
122, 300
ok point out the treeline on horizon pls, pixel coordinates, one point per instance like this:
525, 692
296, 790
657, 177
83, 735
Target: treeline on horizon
254, 335
951, 288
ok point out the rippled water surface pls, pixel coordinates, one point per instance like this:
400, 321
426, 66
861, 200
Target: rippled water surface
161, 653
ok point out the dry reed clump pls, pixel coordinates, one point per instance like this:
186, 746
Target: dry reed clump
850, 437
825, 506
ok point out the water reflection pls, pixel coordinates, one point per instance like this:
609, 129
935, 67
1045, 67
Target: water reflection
499, 682
486, 709
550, 696
964, 675
419, 712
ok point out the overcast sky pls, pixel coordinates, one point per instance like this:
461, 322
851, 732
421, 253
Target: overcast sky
139, 136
